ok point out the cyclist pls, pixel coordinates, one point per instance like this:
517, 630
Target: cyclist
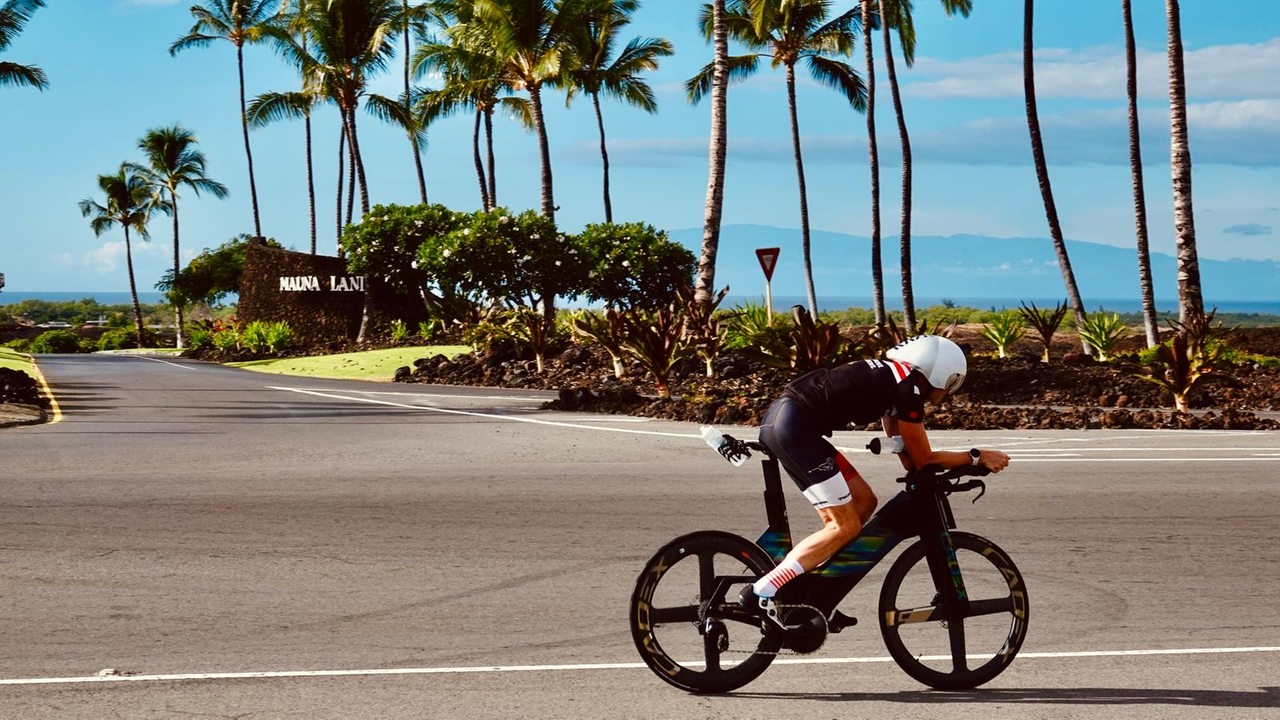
925, 368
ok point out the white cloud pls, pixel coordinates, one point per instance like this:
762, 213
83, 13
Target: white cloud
1217, 72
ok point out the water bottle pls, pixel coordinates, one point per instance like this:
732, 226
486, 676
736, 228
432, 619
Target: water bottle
720, 444
890, 444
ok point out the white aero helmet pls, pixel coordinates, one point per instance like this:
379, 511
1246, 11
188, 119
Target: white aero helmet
940, 361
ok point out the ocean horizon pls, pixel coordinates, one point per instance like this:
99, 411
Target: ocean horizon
781, 303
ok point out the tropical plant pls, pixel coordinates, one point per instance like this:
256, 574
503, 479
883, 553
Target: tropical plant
173, 162
1004, 330
788, 33
1045, 322
703, 324
607, 329
657, 340
1186, 360
714, 206
262, 337
597, 70
634, 265
1190, 298
239, 22
1139, 194
14, 16
399, 331
746, 323
1103, 331
127, 204
536, 332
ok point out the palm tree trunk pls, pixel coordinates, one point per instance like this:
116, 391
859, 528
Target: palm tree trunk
1190, 298
311, 184
342, 159
718, 147
133, 288
908, 295
873, 162
248, 152
804, 200
359, 162
1139, 194
604, 158
177, 267
544, 152
351, 173
1042, 169
493, 174
413, 140
475, 152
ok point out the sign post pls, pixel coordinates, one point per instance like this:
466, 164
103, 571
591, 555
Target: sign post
768, 258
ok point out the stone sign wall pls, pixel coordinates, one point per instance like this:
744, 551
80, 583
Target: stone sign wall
317, 297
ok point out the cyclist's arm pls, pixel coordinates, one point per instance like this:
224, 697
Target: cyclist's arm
919, 453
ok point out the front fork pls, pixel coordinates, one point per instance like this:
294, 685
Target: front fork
952, 598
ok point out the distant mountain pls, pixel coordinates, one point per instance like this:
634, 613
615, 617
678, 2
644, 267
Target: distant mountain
969, 266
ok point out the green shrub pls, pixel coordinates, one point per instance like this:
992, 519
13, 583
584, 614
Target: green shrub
399, 331
199, 337
56, 341
260, 337
118, 339
634, 265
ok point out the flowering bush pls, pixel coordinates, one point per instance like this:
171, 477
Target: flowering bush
634, 265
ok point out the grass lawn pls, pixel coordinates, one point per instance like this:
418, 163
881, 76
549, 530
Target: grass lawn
371, 365
16, 360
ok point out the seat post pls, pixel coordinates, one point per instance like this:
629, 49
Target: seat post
775, 503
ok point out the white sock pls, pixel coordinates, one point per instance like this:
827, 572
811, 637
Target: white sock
767, 586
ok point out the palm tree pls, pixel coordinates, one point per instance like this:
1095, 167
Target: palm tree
240, 22
127, 205
413, 21
290, 36
1042, 168
873, 159
14, 15
715, 167
173, 162
598, 71
800, 30
896, 15
470, 81
527, 41
352, 43
1190, 299
407, 113
1139, 195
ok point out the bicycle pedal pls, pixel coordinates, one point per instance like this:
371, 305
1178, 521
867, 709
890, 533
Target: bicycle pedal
840, 621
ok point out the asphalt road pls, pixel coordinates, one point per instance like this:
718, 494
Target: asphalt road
235, 545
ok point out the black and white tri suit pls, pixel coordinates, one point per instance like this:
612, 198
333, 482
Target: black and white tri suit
813, 405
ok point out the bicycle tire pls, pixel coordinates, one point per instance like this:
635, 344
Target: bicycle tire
939, 651
680, 634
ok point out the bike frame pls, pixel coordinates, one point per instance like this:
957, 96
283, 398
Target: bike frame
921, 510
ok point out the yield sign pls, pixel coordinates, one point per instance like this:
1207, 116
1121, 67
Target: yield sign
768, 261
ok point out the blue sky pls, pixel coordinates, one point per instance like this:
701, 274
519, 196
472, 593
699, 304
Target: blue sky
112, 79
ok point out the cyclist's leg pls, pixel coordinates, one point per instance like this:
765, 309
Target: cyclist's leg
840, 495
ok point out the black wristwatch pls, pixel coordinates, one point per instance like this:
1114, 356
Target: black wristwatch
975, 455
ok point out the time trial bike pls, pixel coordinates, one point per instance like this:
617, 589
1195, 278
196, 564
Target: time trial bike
953, 608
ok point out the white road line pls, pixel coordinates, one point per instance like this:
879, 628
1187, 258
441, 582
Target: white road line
572, 667
470, 413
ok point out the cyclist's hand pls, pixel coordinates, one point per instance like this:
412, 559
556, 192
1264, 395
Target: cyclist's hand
994, 460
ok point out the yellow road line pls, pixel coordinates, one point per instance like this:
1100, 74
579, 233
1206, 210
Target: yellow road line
48, 392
